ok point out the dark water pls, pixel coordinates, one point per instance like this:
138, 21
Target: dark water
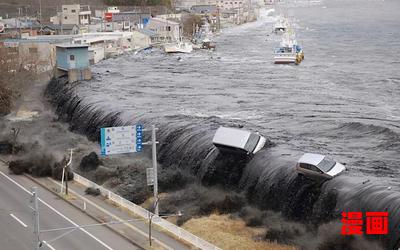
343, 100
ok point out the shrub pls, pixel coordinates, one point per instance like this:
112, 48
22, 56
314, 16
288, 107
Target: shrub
90, 162
19, 167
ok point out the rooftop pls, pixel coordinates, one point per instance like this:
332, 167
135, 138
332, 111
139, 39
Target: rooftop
163, 20
69, 46
147, 32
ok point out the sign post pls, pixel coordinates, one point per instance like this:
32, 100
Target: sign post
128, 139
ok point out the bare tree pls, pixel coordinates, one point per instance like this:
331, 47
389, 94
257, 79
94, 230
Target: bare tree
189, 24
15, 72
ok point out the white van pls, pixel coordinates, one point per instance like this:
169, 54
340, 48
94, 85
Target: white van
238, 140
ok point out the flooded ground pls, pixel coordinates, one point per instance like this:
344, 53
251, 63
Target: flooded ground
343, 100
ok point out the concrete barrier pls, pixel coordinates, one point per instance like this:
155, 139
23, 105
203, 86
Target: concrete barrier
145, 214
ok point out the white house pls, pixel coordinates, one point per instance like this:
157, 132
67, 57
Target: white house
166, 30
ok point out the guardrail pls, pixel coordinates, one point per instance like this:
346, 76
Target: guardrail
145, 214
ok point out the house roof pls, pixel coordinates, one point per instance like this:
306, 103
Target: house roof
204, 9
147, 32
58, 26
163, 20
72, 46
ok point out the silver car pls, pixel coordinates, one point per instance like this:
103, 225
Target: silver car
238, 140
318, 166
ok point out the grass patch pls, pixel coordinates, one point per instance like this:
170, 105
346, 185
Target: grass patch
228, 233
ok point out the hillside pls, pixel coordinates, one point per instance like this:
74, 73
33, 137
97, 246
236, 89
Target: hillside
49, 7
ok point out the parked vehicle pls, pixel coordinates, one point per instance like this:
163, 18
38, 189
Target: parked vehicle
238, 140
316, 166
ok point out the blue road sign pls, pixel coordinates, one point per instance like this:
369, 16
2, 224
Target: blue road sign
120, 140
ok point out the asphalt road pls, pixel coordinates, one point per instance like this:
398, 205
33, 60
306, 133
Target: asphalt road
16, 221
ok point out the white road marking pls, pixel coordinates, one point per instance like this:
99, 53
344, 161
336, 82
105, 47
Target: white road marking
57, 212
20, 221
48, 245
115, 216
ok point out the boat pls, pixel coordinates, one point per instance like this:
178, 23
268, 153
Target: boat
202, 37
208, 44
281, 25
178, 47
289, 51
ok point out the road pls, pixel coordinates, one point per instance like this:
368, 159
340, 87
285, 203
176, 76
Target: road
16, 221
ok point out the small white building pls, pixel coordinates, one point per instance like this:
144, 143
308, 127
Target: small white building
165, 29
96, 54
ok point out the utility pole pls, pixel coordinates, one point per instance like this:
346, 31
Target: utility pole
36, 228
65, 173
19, 22
154, 159
40, 16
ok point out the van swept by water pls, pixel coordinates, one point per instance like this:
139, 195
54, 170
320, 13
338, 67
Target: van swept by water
318, 166
238, 140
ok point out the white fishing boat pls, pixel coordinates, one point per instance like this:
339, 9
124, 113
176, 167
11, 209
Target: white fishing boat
178, 47
289, 51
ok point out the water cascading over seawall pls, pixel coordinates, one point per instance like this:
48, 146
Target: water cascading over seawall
268, 179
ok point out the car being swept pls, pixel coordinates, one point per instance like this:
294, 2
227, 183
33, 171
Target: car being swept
238, 140
316, 166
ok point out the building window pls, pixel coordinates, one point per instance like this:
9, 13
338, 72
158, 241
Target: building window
71, 57
12, 50
73, 11
168, 28
65, 18
65, 9
33, 50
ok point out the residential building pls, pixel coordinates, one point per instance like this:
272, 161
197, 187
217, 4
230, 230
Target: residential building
37, 56
130, 20
233, 4
73, 60
73, 14
143, 38
84, 15
165, 29
69, 14
57, 29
